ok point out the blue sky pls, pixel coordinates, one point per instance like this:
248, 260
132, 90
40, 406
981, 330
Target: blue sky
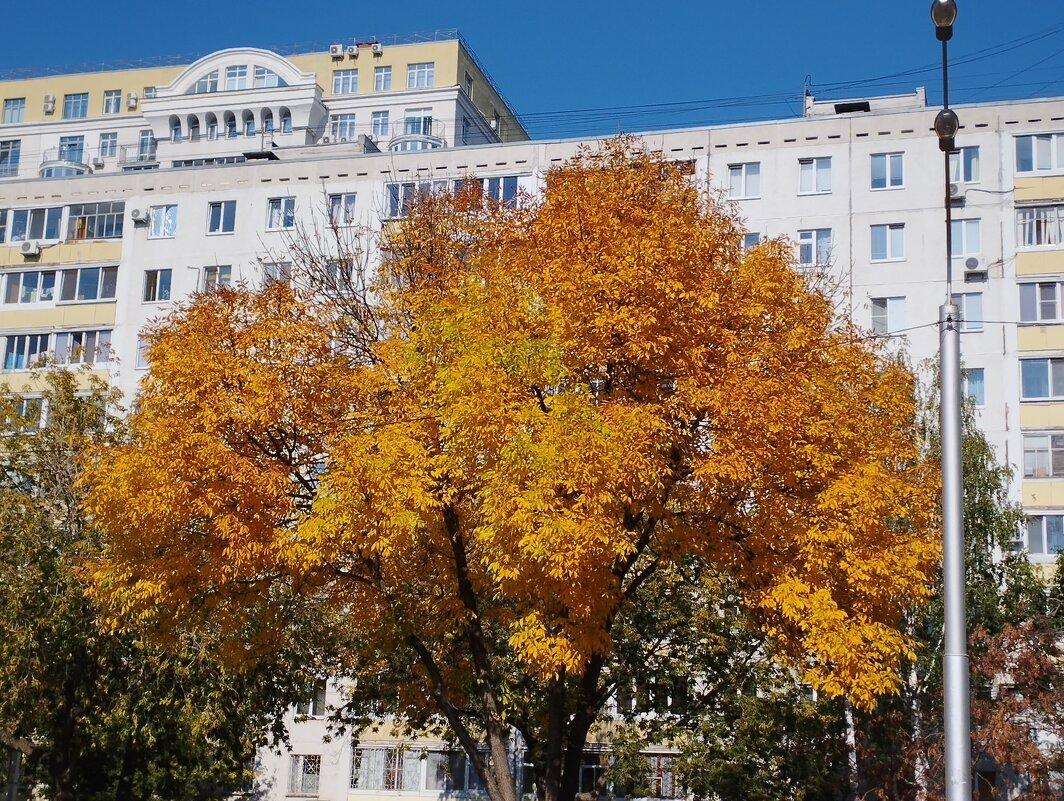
583, 68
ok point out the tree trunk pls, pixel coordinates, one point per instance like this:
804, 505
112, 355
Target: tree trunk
920, 766
14, 767
851, 752
127, 772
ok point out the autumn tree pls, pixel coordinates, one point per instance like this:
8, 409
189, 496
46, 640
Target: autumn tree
86, 713
502, 435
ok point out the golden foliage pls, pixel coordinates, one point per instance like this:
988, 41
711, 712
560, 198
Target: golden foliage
564, 394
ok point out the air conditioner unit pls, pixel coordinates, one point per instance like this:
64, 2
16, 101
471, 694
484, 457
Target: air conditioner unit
377, 48
31, 247
131, 101
974, 265
957, 192
352, 50
325, 140
139, 215
343, 138
97, 162
336, 50
49, 104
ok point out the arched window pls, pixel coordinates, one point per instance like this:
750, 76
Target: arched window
267, 121
230, 125
286, 121
212, 125
193, 128
266, 78
175, 129
249, 123
207, 84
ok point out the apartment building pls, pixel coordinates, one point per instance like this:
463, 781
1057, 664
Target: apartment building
124, 191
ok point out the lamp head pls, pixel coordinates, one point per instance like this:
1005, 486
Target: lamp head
946, 126
944, 14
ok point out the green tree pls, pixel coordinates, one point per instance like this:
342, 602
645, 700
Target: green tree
95, 714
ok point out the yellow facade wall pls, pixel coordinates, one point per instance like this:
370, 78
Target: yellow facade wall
1040, 337
1039, 262
31, 381
443, 54
95, 83
1041, 415
1049, 188
109, 251
64, 316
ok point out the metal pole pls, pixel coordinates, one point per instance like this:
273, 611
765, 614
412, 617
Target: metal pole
956, 698
955, 658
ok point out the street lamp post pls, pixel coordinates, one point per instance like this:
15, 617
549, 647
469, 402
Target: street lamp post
956, 704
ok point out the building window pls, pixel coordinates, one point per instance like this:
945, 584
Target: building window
744, 180
142, 352
216, 276
306, 774
1040, 226
1040, 152
1045, 534
75, 106
964, 238
236, 77
14, 110
36, 223
207, 84
814, 247
467, 85
343, 126
888, 242
31, 413
72, 148
1041, 379
382, 79
281, 213
276, 271
221, 217
112, 101
887, 170
342, 209
10, 152
249, 124
970, 306
400, 196
83, 347
1040, 303
380, 124
35, 286
25, 351
230, 127
163, 223
88, 284
314, 705
267, 79
108, 145
149, 92
751, 240
101, 220
814, 175
1043, 455
286, 121
973, 385
345, 82
420, 76
3, 226
964, 165
418, 121
888, 315
157, 285
146, 146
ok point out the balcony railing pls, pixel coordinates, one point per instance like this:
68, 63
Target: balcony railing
144, 153
61, 162
417, 133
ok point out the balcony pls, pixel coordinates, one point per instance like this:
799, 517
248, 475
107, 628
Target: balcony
64, 162
139, 157
417, 133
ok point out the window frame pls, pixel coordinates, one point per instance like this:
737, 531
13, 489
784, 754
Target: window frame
1054, 378
1040, 226
345, 201
968, 382
1054, 151
959, 238
815, 172
1045, 551
970, 307
112, 101
886, 311
889, 242
13, 108
747, 173
285, 213
10, 156
226, 217
157, 286
1038, 300
303, 766
216, 276
76, 106
1051, 469
167, 227
961, 167
382, 79
52, 220
810, 241
345, 81
889, 160
421, 75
